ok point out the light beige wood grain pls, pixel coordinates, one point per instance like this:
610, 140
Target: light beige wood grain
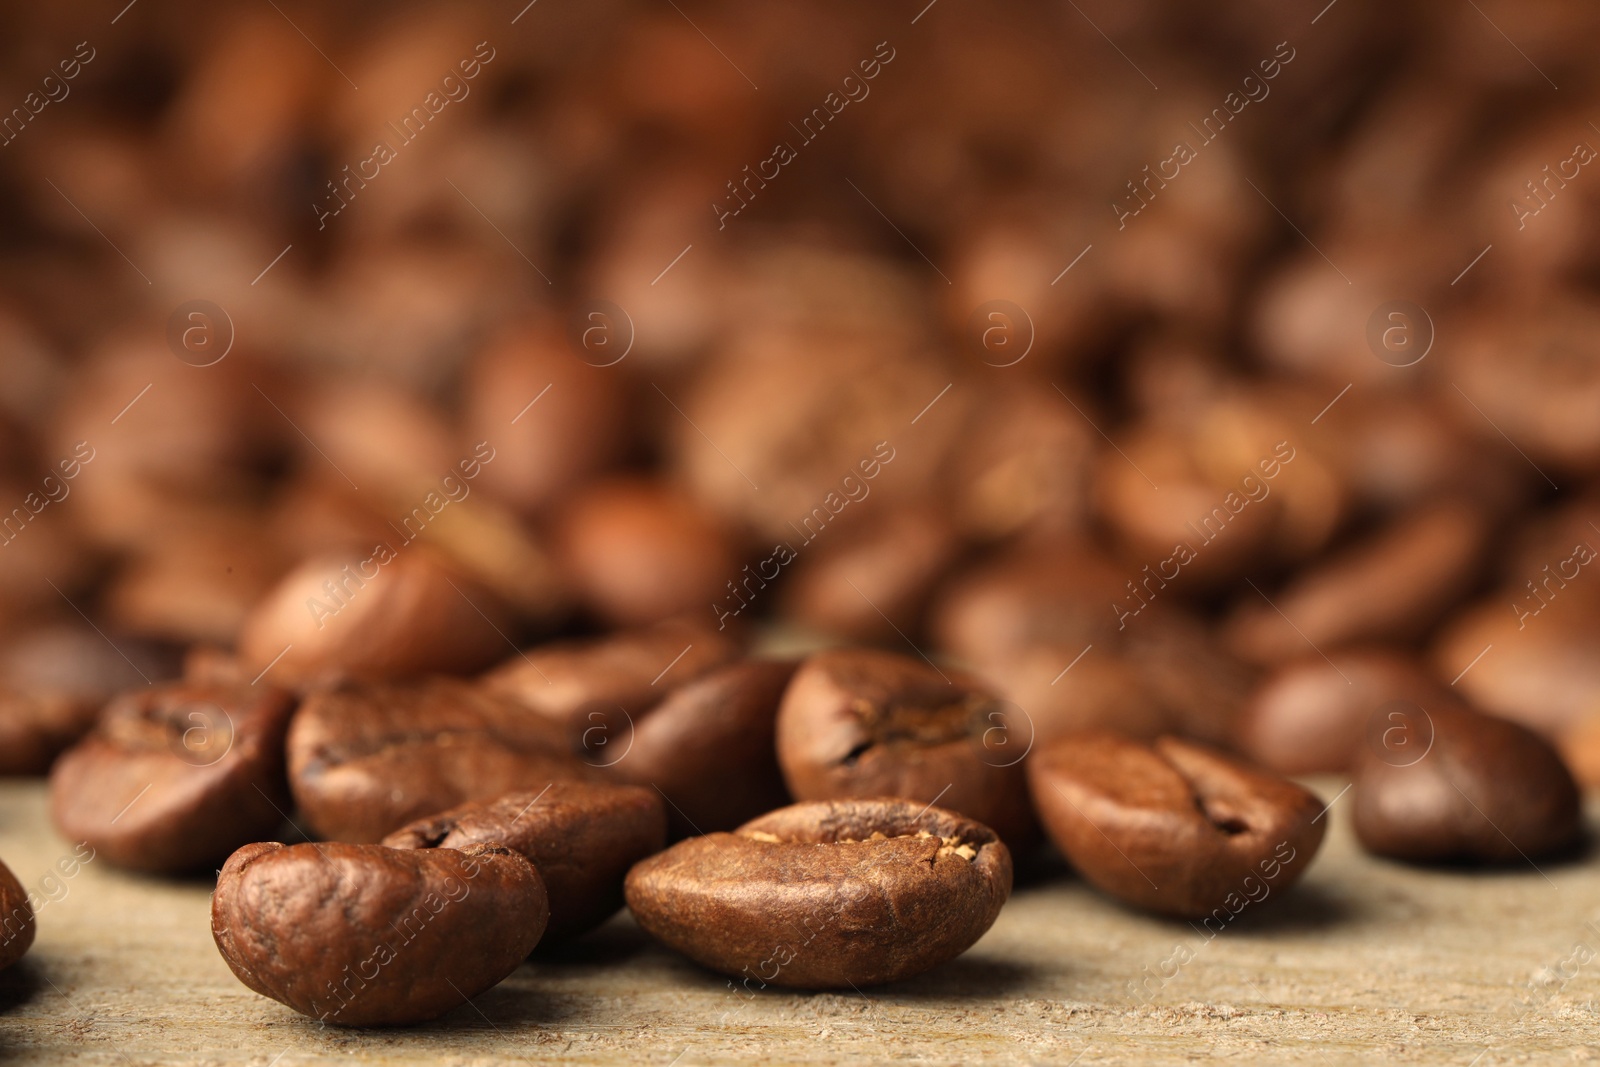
1365, 961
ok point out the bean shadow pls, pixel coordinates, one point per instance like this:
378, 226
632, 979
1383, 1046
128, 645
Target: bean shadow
963, 978
615, 942
1304, 909
19, 985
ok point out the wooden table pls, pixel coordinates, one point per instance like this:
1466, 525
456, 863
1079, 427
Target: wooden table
1362, 962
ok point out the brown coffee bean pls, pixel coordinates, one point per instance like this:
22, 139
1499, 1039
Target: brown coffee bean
874, 577
1580, 751
16, 919
362, 935
1395, 584
582, 685
1528, 655
709, 747
862, 723
1174, 827
53, 683
581, 836
1058, 629
554, 446
1445, 784
638, 551
827, 895
176, 776
1310, 716
394, 611
367, 758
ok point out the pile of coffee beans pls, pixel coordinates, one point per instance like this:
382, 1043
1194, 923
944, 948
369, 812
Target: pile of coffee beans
788, 474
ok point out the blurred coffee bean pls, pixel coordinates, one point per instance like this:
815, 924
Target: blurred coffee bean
1173, 827
200, 585
1528, 655
1310, 715
1081, 643
546, 444
874, 577
637, 552
16, 919
1534, 373
1580, 751
396, 610
55, 680
858, 723
582, 837
576, 686
177, 776
367, 758
708, 747
835, 442
1393, 584
1483, 790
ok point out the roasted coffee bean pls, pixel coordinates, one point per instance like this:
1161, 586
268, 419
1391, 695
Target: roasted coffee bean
590, 688
1173, 827
1528, 654
1394, 585
827, 895
581, 836
875, 577
1580, 751
1310, 716
1059, 628
177, 776
53, 683
862, 723
367, 758
393, 611
16, 919
637, 552
362, 935
1442, 784
709, 747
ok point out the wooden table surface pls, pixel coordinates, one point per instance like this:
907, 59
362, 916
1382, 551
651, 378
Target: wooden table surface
1363, 961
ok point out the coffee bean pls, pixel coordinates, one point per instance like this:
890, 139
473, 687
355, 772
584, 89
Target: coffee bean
54, 681
875, 576
637, 551
1528, 656
1393, 585
1057, 628
862, 723
581, 836
709, 747
828, 894
1309, 716
547, 450
601, 683
362, 935
393, 611
367, 758
175, 777
1173, 827
16, 919
1483, 789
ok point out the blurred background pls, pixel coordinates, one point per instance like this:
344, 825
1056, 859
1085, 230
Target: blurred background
1221, 371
